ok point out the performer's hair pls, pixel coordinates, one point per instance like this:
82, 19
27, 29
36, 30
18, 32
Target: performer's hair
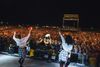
69, 39
19, 36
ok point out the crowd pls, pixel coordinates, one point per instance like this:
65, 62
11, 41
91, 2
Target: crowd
87, 43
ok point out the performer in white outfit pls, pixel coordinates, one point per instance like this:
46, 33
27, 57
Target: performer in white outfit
67, 45
22, 43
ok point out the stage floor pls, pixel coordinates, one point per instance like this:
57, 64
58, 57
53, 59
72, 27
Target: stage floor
12, 61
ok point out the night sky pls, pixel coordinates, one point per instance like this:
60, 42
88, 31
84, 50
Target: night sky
90, 13
48, 12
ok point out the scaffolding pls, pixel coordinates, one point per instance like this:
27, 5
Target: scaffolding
71, 17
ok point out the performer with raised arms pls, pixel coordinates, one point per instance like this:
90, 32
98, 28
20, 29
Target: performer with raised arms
22, 43
67, 45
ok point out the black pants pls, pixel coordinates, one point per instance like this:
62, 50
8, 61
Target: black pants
49, 56
21, 61
62, 63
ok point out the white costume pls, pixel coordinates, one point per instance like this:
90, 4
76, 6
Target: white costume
21, 42
66, 52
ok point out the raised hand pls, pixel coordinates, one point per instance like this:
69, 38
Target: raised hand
14, 32
59, 33
30, 29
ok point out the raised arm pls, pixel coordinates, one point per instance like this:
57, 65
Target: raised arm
14, 35
62, 38
16, 39
27, 37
